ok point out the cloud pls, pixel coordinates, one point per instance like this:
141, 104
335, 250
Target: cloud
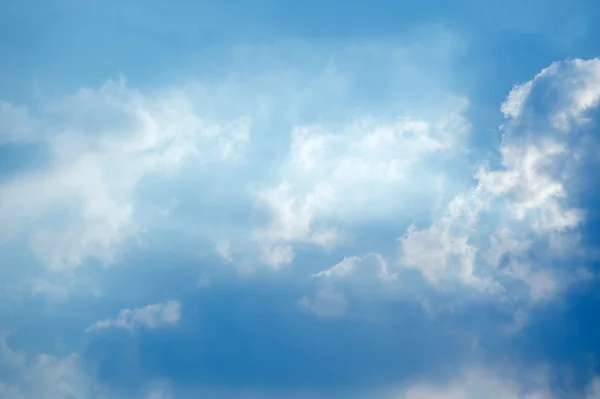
44, 376
109, 151
476, 382
359, 275
101, 144
72, 376
479, 382
526, 203
366, 170
151, 316
335, 168
593, 391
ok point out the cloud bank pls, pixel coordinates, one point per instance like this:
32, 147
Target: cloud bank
326, 235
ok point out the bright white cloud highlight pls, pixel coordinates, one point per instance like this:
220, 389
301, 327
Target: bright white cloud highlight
525, 202
367, 170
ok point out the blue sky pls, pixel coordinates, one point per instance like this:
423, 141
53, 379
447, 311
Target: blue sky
302, 199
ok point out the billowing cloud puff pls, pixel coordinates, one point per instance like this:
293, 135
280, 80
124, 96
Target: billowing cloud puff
366, 171
516, 234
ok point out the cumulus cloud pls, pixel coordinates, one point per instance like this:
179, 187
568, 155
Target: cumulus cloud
368, 170
515, 233
154, 316
101, 147
525, 204
100, 144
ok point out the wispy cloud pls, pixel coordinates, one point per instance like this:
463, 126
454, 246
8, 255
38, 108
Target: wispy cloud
154, 316
102, 143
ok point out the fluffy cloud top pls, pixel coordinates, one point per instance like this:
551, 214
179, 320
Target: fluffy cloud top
526, 204
355, 174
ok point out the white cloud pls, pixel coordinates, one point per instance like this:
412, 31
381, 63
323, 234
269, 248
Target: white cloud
151, 316
362, 275
50, 377
102, 144
444, 247
362, 268
524, 204
529, 187
479, 383
44, 376
47, 377
365, 171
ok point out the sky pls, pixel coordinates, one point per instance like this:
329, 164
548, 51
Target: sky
299, 200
